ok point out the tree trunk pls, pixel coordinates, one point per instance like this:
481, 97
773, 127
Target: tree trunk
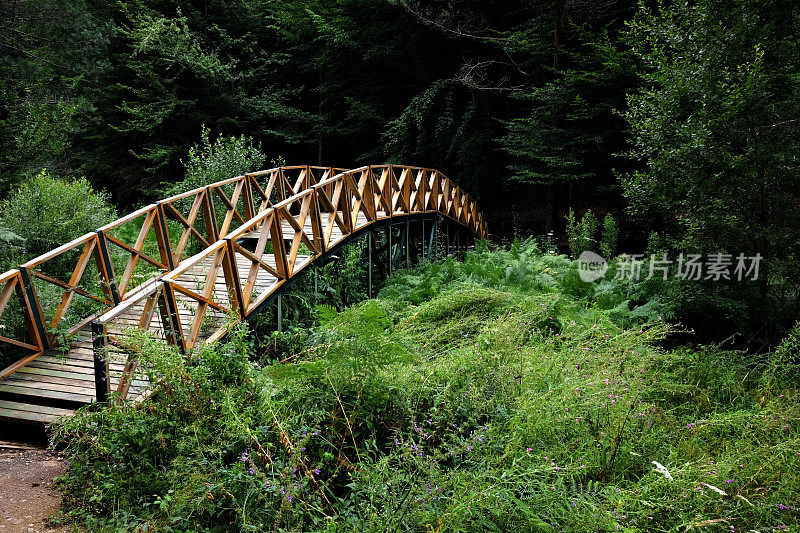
553, 201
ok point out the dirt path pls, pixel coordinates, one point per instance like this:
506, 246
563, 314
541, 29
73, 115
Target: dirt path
27, 495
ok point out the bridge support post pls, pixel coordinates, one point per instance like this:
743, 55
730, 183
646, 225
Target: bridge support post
389, 246
170, 317
35, 308
423, 237
369, 264
162, 237
102, 386
280, 311
408, 245
108, 268
431, 239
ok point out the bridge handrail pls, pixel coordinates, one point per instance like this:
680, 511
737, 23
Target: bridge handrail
417, 189
238, 200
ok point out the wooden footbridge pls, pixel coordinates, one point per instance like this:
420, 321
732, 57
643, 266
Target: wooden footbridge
188, 267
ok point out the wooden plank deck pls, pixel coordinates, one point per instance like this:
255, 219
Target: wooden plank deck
336, 234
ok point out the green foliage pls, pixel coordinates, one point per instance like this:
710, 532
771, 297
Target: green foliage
174, 61
343, 282
714, 128
48, 46
610, 237
582, 234
46, 212
563, 129
43, 213
109, 90
10, 247
212, 161
784, 363
475, 395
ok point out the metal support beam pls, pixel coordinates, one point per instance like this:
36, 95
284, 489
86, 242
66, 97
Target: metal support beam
408, 255
431, 239
102, 386
423, 237
369, 264
447, 237
389, 246
280, 311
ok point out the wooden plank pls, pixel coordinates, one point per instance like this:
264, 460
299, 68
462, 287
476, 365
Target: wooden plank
79, 354
54, 395
31, 413
34, 408
135, 253
78, 383
188, 224
75, 366
40, 378
7, 291
25, 416
38, 388
51, 372
58, 251
113, 359
69, 288
16, 366
231, 205
19, 344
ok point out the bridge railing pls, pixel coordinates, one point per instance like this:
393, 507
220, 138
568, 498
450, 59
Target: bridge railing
286, 236
62, 291
132, 272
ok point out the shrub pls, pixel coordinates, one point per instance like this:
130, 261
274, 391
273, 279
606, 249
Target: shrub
10, 248
608, 245
47, 212
489, 400
581, 233
212, 161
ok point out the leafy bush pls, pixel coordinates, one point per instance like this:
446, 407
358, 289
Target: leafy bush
42, 214
581, 234
47, 212
212, 161
608, 245
10, 248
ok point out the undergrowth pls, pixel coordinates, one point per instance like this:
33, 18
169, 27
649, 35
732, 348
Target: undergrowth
493, 394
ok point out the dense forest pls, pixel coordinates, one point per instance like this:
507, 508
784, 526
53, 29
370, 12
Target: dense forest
680, 119
496, 390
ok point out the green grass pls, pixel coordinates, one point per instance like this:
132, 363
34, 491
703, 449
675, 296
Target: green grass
494, 394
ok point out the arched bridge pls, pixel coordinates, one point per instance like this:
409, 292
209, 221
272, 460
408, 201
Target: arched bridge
182, 267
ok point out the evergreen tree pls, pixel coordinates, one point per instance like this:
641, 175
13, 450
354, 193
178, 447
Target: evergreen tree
568, 130
716, 128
